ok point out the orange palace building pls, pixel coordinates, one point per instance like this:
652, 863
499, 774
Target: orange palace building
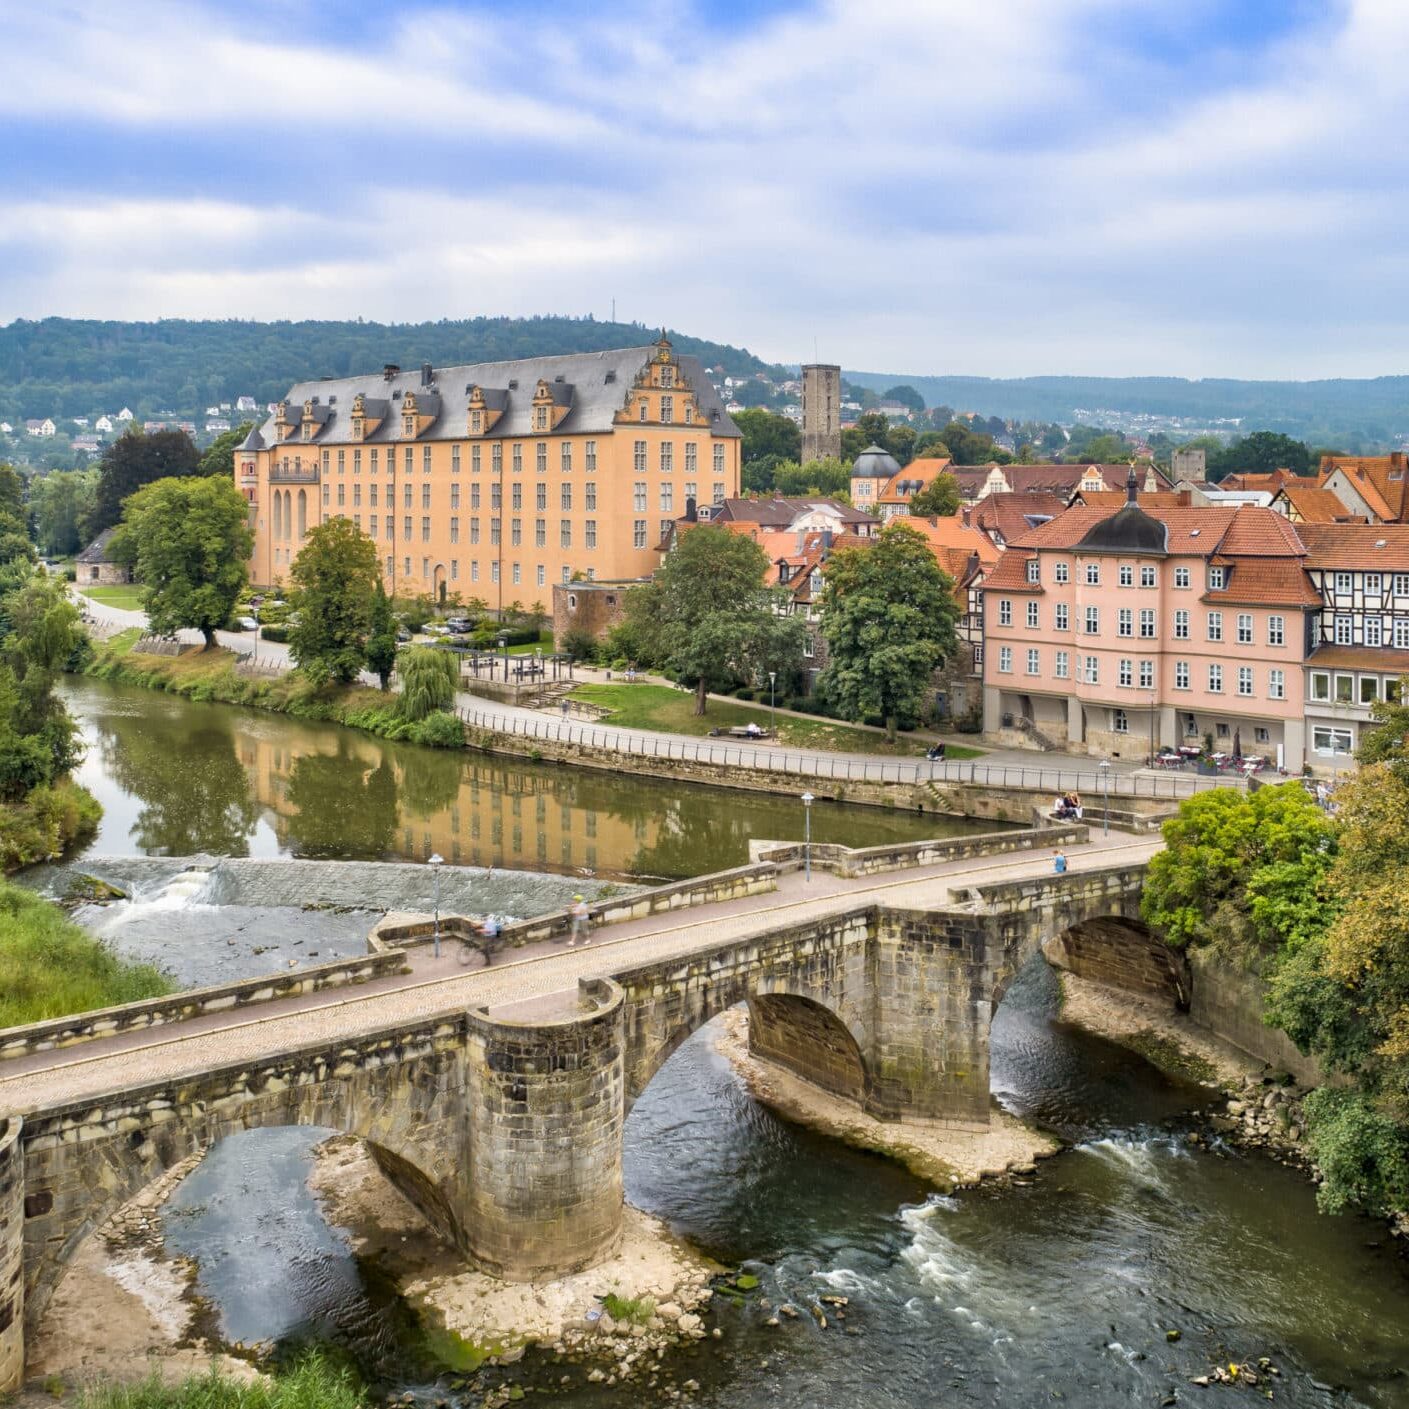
493, 480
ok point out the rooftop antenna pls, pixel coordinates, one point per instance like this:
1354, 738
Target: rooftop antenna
613, 308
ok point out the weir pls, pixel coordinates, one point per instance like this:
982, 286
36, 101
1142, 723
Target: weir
496, 1101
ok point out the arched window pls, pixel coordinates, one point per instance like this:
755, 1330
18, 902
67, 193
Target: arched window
302, 514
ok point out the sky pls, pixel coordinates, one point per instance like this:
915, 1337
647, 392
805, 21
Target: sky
986, 187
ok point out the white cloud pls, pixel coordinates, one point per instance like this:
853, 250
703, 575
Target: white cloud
989, 186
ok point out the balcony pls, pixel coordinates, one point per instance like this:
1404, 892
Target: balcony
308, 475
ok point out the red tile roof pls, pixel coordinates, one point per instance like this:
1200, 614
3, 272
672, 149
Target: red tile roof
1368, 547
917, 475
1317, 505
1381, 480
1009, 516
1270, 483
1263, 582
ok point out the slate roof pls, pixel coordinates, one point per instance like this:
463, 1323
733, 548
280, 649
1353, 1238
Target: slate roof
597, 381
97, 550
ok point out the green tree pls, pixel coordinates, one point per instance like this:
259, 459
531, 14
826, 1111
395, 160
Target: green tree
429, 679
888, 614
765, 433
929, 445
1260, 453
381, 637
190, 541
62, 504
1235, 864
871, 428
135, 459
968, 447
1105, 449
900, 441
938, 499
826, 476
907, 396
38, 635
12, 509
707, 614
219, 459
336, 578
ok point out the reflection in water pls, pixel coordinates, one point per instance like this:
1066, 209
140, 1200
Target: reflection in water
181, 778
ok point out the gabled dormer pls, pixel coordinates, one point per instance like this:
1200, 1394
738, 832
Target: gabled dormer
315, 417
419, 410
283, 425
484, 409
551, 402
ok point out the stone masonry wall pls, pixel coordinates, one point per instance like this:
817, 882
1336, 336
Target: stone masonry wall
401, 1090
804, 1037
1124, 954
11, 1255
546, 1110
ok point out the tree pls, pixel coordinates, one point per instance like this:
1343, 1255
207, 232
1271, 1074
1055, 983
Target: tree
765, 433
135, 459
929, 445
62, 504
707, 614
826, 476
938, 499
1105, 449
888, 614
1260, 453
1235, 863
38, 635
190, 541
219, 459
12, 511
906, 395
966, 446
381, 637
336, 578
429, 679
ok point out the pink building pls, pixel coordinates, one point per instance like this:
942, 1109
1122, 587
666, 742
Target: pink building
1118, 633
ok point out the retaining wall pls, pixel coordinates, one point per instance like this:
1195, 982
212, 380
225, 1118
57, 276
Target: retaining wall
11, 1255
876, 860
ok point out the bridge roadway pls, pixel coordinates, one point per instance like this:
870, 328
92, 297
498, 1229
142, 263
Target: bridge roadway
538, 982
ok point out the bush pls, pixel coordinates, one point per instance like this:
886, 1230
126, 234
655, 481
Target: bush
581, 645
277, 634
314, 1383
1363, 1155
45, 824
744, 692
439, 730
70, 574
429, 679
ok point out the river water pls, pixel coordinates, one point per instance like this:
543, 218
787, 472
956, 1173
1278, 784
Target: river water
1061, 1288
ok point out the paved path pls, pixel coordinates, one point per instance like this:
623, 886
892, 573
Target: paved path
1004, 768
537, 980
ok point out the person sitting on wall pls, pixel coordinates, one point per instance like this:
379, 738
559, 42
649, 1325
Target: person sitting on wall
1076, 808
936, 753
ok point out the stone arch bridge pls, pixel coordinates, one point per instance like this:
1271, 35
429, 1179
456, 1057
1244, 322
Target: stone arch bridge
496, 1101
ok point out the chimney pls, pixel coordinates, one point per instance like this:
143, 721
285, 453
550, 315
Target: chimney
389, 370
826, 540
1131, 487
427, 372
691, 512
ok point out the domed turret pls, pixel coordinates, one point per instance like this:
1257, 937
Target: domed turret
874, 463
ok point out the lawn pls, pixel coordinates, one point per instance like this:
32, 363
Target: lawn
673, 711
127, 596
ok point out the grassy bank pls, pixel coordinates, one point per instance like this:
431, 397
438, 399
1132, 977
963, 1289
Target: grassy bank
312, 1384
126, 596
49, 967
673, 711
210, 675
45, 824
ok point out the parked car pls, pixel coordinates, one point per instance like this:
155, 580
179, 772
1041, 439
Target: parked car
402, 634
246, 623
460, 625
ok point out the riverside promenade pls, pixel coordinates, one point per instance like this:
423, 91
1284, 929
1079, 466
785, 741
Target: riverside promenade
1036, 774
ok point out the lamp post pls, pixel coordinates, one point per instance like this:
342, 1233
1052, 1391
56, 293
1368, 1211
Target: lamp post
256, 603
1106, 794
773, 703
435, 861
1152, 728
504, 651
807, 801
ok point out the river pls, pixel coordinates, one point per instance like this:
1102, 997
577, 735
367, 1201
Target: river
1063, 1287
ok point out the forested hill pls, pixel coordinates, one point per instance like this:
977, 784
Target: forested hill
1374, 408
64, 367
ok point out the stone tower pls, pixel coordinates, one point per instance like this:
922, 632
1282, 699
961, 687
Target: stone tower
1188, 464
821, 412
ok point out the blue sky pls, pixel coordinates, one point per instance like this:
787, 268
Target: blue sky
1000, 187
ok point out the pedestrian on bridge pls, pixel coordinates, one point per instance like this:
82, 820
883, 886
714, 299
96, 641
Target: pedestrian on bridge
1059, 862
579, 921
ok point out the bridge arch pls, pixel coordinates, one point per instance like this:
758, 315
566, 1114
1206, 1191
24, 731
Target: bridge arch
810, 1040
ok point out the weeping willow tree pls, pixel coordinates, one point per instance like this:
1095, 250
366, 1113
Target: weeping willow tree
428, 681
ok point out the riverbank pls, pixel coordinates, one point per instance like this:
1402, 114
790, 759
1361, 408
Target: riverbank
46, 824
617, 1314
948, 1157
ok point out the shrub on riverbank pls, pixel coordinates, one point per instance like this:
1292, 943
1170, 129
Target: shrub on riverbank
49, 967
210, 675
45, 824
314, 1383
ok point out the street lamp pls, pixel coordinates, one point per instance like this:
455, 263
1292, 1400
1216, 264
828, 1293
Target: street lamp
435, 861
807, 801
773, 703
504, 651
256, 603
1106, 793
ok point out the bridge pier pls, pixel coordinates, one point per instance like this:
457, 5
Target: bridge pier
545, 1107
11, 1255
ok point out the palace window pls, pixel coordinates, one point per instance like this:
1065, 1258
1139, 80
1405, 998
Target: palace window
589, 456
565, 533
692, 458
638, 533
518, 460
566, 499
565, 457
667, 498
719, 469
589, 533
454, 459
516, 533
638, 496
540, 533
474, 460
591, 496
540, 458
638, 457
516, 497
667, 457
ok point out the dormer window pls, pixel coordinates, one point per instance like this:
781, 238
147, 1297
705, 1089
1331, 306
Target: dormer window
667, 374
643, 410
476, 422
408, 424
1217, 579
540, 418
667, 408
689, 414
1034, 570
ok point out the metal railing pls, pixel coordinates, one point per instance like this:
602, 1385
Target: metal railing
718, 753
